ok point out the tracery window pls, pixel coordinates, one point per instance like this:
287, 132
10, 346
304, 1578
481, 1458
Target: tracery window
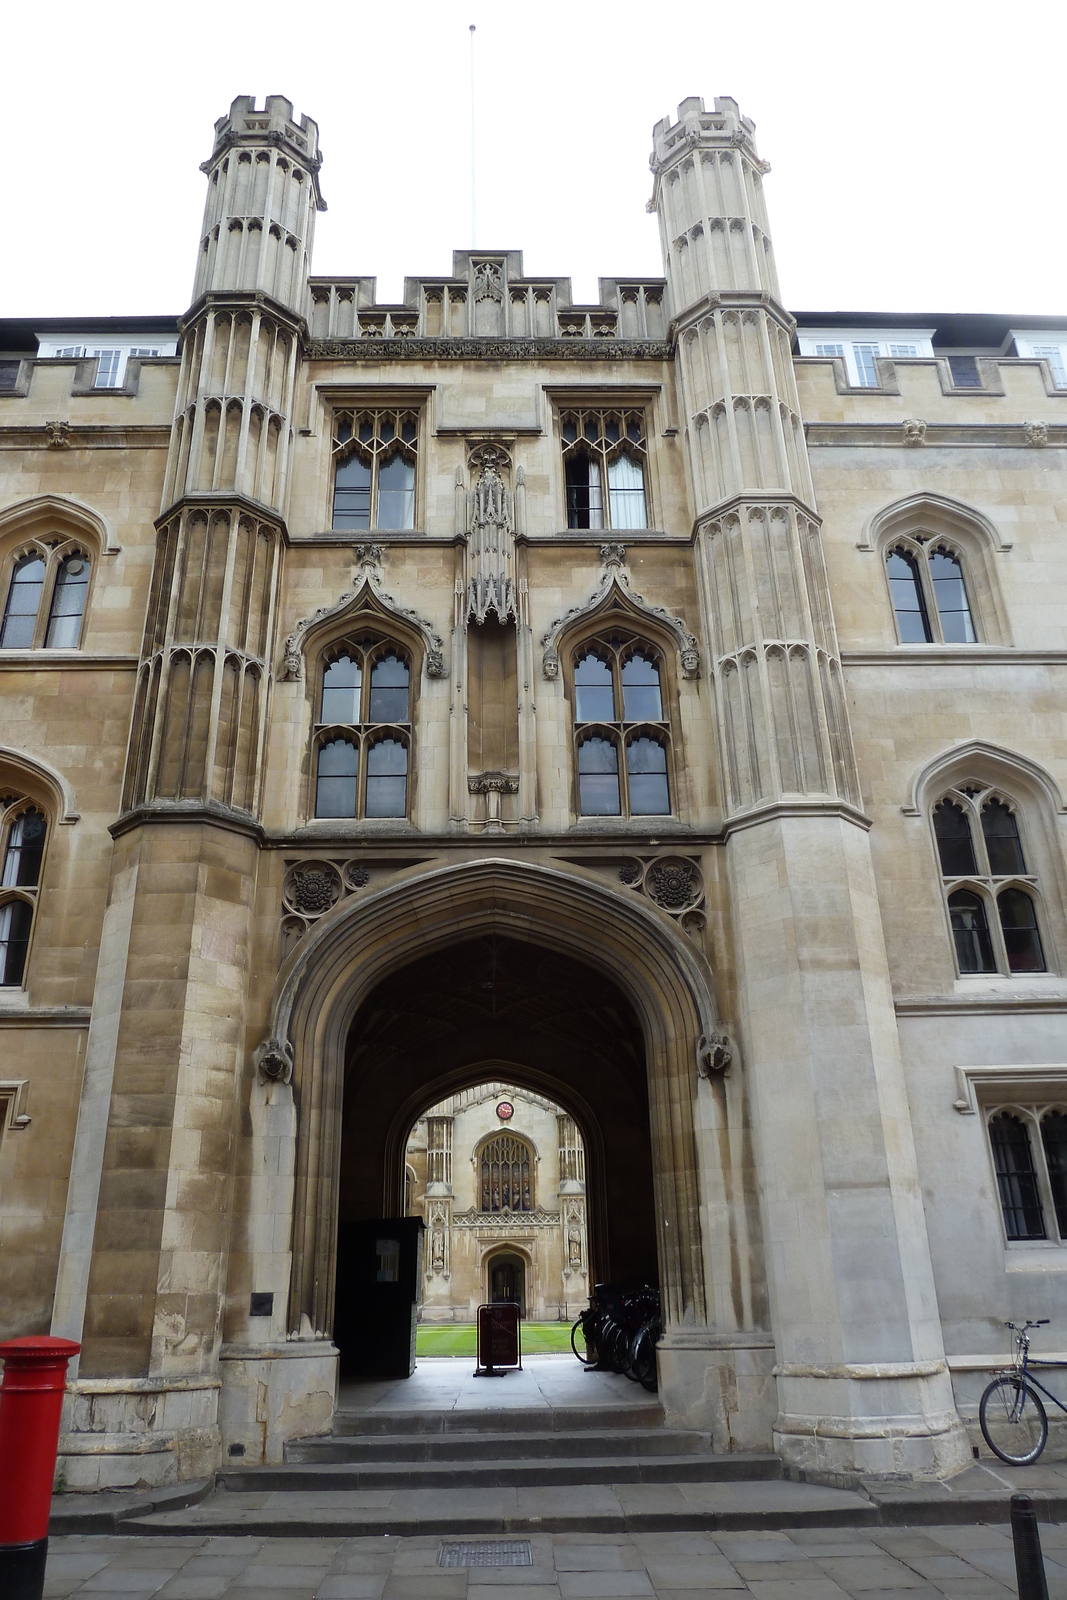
1029, 1149
45, 600
929, 593
604, 462
363, 731
375, 457
506, 1168
23, 831
620, 730
990, 893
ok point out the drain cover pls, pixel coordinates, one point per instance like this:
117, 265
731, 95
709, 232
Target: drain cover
487, 1553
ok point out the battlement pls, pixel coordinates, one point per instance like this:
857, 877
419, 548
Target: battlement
273, 124
695, 126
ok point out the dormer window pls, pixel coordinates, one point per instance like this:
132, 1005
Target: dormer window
861, 348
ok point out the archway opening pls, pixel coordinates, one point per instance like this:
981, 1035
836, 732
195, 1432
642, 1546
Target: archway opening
489, 1014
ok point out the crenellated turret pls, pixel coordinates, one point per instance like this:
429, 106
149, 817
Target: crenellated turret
199, 720
782, 720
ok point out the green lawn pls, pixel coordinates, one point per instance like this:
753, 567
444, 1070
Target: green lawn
460, 1339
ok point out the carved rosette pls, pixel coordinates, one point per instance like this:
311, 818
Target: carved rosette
673, 883
313, 887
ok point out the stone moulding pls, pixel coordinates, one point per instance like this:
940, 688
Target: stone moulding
613, 589
327, 976
366, 593
1008, 1083
488, 349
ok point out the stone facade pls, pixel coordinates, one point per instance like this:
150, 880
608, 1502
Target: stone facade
520, 1208
490, 689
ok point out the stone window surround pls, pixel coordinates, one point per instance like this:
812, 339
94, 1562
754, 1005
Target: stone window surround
927, 521
619, 640
987, 886
1026, 1092
398, 401
370, 644
53, 551
29, 894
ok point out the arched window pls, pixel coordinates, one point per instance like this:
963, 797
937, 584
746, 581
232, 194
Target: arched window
362, 735
929, 594
338, 779
1013, 1163
506, 1174
621, 732
376, 456
45, 600
991, 896
605, 448
23, 831
68, 604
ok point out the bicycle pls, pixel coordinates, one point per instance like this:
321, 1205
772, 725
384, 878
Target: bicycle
1013, 1419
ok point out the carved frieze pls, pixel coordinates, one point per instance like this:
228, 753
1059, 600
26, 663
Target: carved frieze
488, 349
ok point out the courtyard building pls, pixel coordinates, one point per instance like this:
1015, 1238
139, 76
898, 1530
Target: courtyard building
648, 713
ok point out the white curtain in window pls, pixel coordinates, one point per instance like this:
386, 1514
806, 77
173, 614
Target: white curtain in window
596, 497
626, 491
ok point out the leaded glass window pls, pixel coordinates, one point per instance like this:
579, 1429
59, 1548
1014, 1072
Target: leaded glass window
506, 1174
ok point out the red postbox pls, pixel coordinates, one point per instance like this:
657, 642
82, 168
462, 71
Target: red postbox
31, 1402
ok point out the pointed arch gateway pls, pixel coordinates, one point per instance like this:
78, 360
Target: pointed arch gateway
330, 974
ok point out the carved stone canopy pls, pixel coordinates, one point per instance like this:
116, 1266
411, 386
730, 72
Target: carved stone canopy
490, 537
365, 599
613, 592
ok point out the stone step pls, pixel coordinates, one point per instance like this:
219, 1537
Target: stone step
510, 1446
403, 1475
503, 1419
509, 1511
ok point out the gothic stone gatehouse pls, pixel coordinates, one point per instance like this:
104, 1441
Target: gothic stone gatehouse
690, 673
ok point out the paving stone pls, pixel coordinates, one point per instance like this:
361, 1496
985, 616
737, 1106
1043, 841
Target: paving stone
481, 1578
262, 1574
858, 1573
814, 1588
690, 1575
613, 1585
352, 1586
427, 1586
528, 1591
113, 1579
770, 1547
182, 1587
598, 1558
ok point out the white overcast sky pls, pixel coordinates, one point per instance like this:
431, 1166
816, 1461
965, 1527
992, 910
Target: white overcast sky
917, 150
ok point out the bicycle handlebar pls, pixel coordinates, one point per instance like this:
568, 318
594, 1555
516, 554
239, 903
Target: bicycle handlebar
1042, 1322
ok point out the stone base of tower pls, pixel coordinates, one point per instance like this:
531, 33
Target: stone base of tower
272, 1394
133, 1433
871, 1422
723, 1387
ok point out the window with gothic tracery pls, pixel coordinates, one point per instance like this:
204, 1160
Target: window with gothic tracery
363, 731
991, 894
375, 455
45, 601
929, 593
506, 1169
621, 731
23, 831
605, 455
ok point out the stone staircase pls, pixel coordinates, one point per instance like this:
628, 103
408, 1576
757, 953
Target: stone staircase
463, 1472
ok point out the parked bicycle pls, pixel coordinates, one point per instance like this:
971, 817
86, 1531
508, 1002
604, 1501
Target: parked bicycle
1013, 1418
619, 1332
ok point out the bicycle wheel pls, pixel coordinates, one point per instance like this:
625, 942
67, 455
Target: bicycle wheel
643, 1356
1013, 1420
581, 1344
